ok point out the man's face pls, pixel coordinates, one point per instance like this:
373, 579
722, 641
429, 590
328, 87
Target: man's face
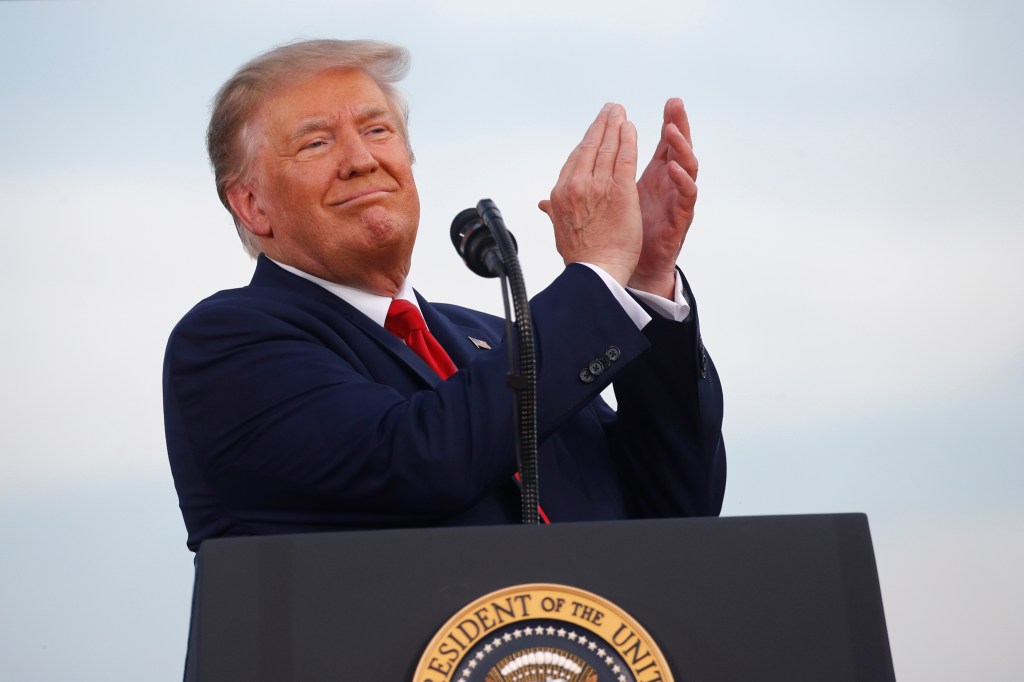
334, 180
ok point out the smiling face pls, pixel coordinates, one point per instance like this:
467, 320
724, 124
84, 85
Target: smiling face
333, 193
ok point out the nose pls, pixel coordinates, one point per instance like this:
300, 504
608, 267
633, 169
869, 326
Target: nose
356, 159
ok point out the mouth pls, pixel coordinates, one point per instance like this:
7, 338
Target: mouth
369, 193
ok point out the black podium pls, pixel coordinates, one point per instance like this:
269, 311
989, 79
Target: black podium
788, 598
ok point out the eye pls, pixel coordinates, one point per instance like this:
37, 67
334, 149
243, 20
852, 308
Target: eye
316, 143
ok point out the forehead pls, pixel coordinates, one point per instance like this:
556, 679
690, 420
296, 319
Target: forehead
329, 95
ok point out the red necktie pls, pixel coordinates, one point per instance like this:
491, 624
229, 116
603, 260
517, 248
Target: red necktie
405, 321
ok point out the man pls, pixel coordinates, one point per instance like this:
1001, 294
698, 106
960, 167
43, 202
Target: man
289, 407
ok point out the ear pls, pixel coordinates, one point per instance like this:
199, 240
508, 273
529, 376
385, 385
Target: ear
246, 204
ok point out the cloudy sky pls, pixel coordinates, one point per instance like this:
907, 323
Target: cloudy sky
857, 257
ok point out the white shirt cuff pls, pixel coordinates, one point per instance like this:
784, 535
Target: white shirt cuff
629, 305
677, 310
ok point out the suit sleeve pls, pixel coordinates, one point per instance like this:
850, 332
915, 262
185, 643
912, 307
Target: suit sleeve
668, 430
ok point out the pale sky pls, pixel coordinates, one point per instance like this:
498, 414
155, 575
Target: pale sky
856, 258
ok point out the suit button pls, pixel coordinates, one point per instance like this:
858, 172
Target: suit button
585, 376
703, 358
596, 367
613, 353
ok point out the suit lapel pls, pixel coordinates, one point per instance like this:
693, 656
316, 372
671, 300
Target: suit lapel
395, 346
268, 274
456, 339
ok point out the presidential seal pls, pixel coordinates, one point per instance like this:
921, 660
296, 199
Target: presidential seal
542, 633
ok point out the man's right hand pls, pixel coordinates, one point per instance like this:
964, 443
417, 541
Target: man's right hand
594, 206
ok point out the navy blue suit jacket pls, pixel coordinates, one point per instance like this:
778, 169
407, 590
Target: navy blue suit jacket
287, 410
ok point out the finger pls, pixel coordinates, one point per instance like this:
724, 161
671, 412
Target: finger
685, 183
607, 154
675, 113
626, 158
585, 153
669, 115
680, 150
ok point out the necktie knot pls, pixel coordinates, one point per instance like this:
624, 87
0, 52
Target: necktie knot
403, 319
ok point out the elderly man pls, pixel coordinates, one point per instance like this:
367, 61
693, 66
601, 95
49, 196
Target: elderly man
291, 407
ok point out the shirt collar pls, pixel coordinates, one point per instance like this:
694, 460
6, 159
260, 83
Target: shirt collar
373, 306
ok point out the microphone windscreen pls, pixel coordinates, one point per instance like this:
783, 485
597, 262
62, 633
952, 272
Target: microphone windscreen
465, 223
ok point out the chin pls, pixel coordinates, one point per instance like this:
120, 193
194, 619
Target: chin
385, 228
378, 222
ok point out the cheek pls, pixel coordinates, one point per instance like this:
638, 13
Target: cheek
414, 198
302, 193
409, 184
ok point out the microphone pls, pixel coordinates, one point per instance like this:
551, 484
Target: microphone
475, 243
489, 249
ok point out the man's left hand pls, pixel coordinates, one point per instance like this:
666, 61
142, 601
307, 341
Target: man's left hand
668, 192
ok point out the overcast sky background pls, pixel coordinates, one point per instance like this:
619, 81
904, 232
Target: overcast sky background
856, 256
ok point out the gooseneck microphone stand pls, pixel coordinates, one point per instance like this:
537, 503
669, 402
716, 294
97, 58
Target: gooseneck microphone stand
492, 252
